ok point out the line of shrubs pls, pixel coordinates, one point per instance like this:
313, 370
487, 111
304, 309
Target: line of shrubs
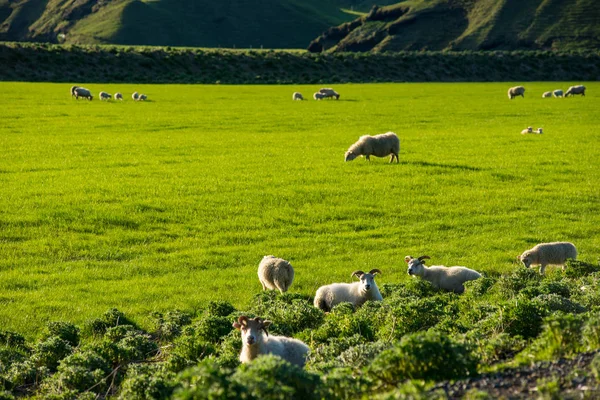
401, 346
35, 62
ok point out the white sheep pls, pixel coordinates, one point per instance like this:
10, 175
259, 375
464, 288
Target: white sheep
83, 92
378, 145
528, 130
118, 96
356, 293
318, 96
555, 253
546, 94
73, 90
135, 96
516, 91
329, 93
105, 96
441, 277
558, 93
573, 90
275, 273
540, 131
256, 341
142, 97
297, 96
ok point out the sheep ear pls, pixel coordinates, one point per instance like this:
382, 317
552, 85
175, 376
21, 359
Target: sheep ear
237, 326
358, 273
407, 259
374, 271
266, 323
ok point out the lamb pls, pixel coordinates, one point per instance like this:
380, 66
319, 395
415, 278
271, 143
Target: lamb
329, 93
135, 96
318, 96
118, 96
256, 341
297, 96
142, 97
275, 273
73, 90
547, 94
356, 293
528, 130
105, 96
441, 277
573, 90
378, 145
558, 93
555, 253
516, 91
83, 92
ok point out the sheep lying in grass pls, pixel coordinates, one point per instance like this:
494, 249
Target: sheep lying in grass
275, 273
546, 94
83, 92
378, 145
441, 277
540, 131
329, 93
105, 96
356, 293
573, 90
528, 130
318, 96
118, 96
297, 96
256, 341
516, 91
555, 253
558, 93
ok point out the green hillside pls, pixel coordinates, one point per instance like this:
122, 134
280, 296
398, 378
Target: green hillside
469, 25
200, 23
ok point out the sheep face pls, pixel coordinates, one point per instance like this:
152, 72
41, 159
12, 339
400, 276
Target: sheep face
349, 156
416, 266
251, 329
367, 280
526, 259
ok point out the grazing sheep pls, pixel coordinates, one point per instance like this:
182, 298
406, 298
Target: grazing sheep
83, 92
516, 91
356, 293
558, 93
275, 273
105, 96
378, 145
543, 254
547, 94
142, 97
135, 96
540, 130
297, 96
573, 90
329, 93
118, 96
318, 96
528, 130
73, 90
256, 341
441, 277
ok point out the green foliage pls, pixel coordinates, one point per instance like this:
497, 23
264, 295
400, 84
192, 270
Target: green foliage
524, 318
65, 331
170, 325
213, 329
147, 382
208, 380
577, 268
48, 352
561, 337
219, 308
79, 372
189, 349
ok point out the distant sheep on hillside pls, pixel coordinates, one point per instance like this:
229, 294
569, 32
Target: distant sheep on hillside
378, 145
516, 91
573, 90
297, 96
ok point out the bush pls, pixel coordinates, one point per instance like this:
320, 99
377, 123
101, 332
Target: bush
577, 269
212, 329
80, 372
208, 380
188, 350
65, 331
323, 357
591, 332
229, 350
146, 382
341, 322
554, 302
561, 337
219, 308
169, 326
430, 356
11, 339
339, 383
524, 318
510, 285
49, 352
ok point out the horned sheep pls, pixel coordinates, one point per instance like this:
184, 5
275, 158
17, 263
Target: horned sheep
555, 253
275, 273
573, 90
256, 341
378, 145
105, 96
557, 93
297, 96
356, 293
83, 92
451, 279
516, 91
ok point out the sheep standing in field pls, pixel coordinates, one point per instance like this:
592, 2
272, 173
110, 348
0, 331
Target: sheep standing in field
441, 277
73, 90
142, 97
135, 96
528, 130
557, 93
256, 341
275, 273
318, 96
329, 93
297, 96
573, 90
118, 96
105, 96
516, 91
547, 94
83, 92
378, 145
543, 254
356, 293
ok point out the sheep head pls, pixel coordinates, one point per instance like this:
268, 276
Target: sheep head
526, 259
349, 156
251, 328
367, 280
416, 266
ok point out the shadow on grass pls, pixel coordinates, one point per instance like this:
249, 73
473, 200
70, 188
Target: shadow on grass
449, 166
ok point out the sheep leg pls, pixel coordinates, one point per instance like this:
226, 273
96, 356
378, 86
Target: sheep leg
543, 269
367, 157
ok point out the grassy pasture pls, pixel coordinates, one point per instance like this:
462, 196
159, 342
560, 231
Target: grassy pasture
172, 202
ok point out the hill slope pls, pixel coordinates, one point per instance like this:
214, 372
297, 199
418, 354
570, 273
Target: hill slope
199, 23
469, 25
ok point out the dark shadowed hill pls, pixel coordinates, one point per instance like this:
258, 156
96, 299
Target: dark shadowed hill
469, 25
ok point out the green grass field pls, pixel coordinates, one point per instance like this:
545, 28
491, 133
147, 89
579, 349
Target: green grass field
173, 202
